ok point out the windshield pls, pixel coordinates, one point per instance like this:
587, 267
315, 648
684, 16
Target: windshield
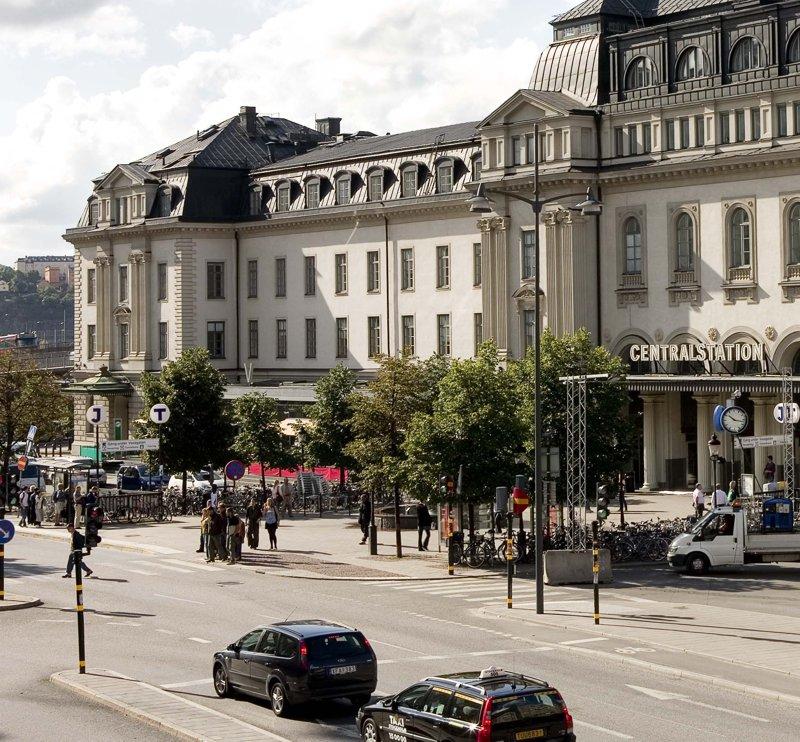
703, 522
335, 646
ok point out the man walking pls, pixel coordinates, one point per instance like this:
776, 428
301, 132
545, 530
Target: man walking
77, 542
699, 500
364, 516
424, 521
253, 522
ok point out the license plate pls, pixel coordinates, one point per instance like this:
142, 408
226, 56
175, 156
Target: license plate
343, 670
532, 734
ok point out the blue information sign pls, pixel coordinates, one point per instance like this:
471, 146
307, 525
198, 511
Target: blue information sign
6, 531
234, 470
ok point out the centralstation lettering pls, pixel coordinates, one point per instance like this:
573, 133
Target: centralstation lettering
721, 352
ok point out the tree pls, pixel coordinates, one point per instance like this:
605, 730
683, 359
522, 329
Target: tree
332, 431
259, 436
199, 430
25, 283
28, 396
474, 424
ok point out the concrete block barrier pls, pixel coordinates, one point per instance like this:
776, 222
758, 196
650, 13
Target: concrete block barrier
564, 567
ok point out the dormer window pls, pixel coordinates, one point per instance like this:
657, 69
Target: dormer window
477, 166
375, 185
255, 201
283, 197
641, 74
122, 210
94, 213
165, 200
444, 176
748, 54
312, 193
343, 189
409, 181
693, 64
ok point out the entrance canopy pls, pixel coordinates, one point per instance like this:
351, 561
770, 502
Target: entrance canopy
102, 385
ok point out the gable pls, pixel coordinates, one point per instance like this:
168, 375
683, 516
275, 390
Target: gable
528, 105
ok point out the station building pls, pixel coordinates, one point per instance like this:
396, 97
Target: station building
287, 249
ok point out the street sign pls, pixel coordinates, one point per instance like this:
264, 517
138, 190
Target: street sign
130, 446
550, 461
521, 500
234, 470
787, 412
762, 441
31, 433
717, 417
159, 413
96, 415
6, 531
22, 462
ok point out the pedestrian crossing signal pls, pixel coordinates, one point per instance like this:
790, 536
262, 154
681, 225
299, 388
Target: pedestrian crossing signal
94, 522
602, 502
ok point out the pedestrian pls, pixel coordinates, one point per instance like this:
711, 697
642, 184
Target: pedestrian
253, 523
622, 493
37, 509
239, 538
733, 492
769, 470
214, 496
271, 522
424, 521
364, 516
231, 525
59, 504
77, 542
205, 519
24, 501
79, 500
90, 501
720, 497
216, 536
699, 500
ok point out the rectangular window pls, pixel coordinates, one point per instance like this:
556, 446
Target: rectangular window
341, 337
310, 270
215, 339
91, 285
444, 176
163, 340
374, 336
797, 119
725, 128
528, 253
633, 140
739, 121
699, 131
123, 283
91, 340
530, 147
162, 281
684, 124
124, 345
499, 153
783, 124
476, 263
94, 213
280, 338
407, 269
619, 141
252, 338
409, 182
122, 211
477, 326
669, 132
516, 152
343, 190
341, 272
215, 279
283, 198
442, 267
252, 279
443, 334
647, 138
407, 322
373, 272
755, 124
280, 276
312, 195
376, 185
311, 337
529, 323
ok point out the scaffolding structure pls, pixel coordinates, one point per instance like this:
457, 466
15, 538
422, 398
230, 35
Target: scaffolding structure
576, 462
788, 431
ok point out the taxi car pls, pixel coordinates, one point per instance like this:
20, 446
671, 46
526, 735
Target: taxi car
292, 662
490, 705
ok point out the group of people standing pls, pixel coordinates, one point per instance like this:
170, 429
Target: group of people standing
69, 505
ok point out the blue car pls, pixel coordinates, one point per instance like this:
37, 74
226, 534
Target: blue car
139, 477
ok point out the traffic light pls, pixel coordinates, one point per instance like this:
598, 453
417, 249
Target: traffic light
602, 502
447, 486
94, 522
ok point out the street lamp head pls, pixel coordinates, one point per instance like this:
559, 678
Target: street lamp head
714, 446
590, 206
479, 203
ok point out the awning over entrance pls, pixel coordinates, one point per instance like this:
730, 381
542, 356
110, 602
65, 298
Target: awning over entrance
707, 384
102, 385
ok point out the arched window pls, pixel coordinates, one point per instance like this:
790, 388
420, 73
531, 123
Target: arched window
796, 363
740, 238
748, 54
794, 234
684, 243
641, 74
793, 50
693, 63
633, 247
444, 176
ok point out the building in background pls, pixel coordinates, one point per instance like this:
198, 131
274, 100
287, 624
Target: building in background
53, 269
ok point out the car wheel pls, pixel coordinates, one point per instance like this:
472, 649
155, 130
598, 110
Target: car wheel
277, 697
360, 700
369, 731
697, 564
221, 681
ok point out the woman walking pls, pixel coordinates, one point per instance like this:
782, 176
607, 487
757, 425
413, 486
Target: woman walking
271, 521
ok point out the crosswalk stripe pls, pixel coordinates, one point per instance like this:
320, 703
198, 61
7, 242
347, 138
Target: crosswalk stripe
193, 565
461, 583
157, 565
126, 569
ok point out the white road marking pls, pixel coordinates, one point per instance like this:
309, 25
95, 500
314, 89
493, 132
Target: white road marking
159, 565
633, 598
596, 728
126, 569
584, 641
183, 600
194, 565
662, 695
396, 646
188, 683
165, 631
54, 620
198, 640
123, 623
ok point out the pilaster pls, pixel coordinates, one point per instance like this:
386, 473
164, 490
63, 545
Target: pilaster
653, 455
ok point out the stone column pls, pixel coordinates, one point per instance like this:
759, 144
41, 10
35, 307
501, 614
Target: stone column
705, 408
487, 280
103, 304
133, 302
653, 457
763, 424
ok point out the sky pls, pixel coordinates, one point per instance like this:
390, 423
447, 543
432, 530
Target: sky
88, 84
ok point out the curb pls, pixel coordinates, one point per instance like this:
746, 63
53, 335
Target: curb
18, 602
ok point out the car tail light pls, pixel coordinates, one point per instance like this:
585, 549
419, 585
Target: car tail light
304, 655
366, 642
485, 729
568, 723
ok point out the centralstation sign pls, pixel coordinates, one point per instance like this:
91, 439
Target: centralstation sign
722, 352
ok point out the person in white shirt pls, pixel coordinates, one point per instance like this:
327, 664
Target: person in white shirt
699, 500
720, 497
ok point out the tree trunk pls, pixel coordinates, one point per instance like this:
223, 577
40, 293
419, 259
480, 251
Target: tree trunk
183, 485
263, 478
398, 536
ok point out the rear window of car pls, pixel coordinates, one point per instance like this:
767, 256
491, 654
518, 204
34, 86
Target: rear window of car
526, 706
335, 646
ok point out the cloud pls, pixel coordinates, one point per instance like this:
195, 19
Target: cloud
101, 30
187, 36
379, 64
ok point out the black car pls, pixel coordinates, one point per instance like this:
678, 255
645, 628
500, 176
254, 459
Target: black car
294, 661
482, 706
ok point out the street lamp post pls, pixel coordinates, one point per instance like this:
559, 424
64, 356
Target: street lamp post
590, 206
714, 447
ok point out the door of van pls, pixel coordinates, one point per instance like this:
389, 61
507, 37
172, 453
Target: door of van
721, 539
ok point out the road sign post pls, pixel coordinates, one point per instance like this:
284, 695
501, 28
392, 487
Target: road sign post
96, 416
159, 414
6, 534
235, 470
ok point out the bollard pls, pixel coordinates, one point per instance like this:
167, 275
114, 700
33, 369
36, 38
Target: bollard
510, 559
79, 611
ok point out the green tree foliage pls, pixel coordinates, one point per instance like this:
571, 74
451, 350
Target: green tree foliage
199, 430
474, 423
331, 432
609, 433
259, 436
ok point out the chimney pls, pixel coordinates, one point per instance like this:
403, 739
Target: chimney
329, 126
247, 118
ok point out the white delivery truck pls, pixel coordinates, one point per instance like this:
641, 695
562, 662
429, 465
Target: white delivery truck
721, 539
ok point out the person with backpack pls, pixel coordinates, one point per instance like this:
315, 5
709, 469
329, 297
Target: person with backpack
271, 522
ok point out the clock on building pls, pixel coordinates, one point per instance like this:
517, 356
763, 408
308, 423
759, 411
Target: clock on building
734, 420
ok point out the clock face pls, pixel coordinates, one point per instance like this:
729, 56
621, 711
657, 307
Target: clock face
734, 420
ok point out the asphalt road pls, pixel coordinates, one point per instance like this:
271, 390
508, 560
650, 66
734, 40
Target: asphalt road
159, 619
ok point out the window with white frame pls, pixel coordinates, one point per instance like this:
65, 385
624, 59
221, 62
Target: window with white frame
407, 269
94, 213
793, 48
373, 336
528, 257
280, 338
91, 285
252, 279
283, 197
783, 123
740, 238
477, 329
255, 200
215, 339
684, 243
738, 118
311, 337
725, 127
619, 141
252, 338
409, 182
375, 185
517, 150
310, 271
528, 328
647, 138
343, 189
340, 262
684, 128
163, 341
443, 267
373, 271
755, 124
341, 337
443, 334
91, 341
409, 339
312, 194
699, 130
633, 246
444, 176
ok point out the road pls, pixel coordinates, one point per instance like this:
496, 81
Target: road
159, 618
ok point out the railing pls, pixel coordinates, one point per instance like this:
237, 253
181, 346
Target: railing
631, 281
740, 274
683, 278
793, 271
